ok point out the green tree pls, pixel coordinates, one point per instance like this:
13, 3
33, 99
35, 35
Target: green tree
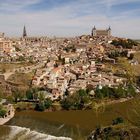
31, 94
117, 121
16, 94
131, 91
48, 103
67, 103
40, 107
41, 96
2, 113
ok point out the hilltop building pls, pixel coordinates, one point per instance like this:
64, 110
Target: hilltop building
96, 32
5, 44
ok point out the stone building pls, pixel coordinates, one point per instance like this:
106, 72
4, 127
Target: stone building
1, 36
5, 44
106, 32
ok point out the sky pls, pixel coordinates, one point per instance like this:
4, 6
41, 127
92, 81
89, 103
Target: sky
67, 18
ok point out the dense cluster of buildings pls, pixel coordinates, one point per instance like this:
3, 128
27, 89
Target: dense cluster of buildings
75, 64
68, 64
5, 45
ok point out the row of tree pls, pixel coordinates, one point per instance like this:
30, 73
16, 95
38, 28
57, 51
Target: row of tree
80, 100
128, 44
76, 101
116, 54
116, 92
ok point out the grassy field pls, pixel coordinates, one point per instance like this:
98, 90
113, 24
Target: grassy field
136, 68
21, 78
11, 66
123, 62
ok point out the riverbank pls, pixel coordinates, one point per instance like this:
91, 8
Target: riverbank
75, 122
12, 110
8, 116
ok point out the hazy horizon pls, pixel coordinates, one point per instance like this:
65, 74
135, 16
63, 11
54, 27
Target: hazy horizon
71, 18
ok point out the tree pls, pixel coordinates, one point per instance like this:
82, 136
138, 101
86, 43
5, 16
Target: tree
16, 94
40, 107
120, 92
98, 94
117, 121
124, 43
67, 103
2, 113
131, 56
48, 103
131, 90
41, 96
31, 94
82, 92
76, 101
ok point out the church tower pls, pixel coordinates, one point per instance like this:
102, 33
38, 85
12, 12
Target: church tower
24, 32
109, 31
93, 33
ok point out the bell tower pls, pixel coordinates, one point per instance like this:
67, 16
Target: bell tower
24, 32
109, 31
93, 33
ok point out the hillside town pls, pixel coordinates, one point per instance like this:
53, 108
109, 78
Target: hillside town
62, 66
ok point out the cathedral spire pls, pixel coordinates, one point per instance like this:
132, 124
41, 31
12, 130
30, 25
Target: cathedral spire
24, 32
109, 28
94, 28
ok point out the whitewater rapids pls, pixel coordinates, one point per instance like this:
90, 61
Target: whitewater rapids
22, 133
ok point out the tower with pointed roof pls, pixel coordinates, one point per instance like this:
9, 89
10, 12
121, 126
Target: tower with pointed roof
93, 32
109, 31
24, 32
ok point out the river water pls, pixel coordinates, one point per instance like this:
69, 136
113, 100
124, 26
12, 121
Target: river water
31, 125
62, 125
22, 133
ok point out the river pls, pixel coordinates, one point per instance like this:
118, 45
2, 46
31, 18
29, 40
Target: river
32, 125
47, 123
22, 133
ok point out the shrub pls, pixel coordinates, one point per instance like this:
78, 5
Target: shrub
48, 103
40, 107
117, 121
2, 113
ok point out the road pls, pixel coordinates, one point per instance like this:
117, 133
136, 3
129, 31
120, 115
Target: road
26, 69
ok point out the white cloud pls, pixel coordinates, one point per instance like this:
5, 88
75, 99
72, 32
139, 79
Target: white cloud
15, 5
65, 21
